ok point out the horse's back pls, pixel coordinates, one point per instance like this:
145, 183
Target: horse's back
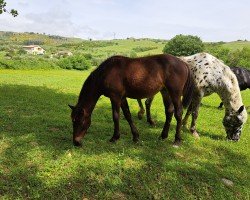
144, 76
210, 74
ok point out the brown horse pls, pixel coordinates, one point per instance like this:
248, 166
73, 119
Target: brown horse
119, 77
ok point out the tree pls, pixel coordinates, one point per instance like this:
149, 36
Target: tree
3, 9
184, 45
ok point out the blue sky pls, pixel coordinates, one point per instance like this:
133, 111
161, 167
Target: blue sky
213, 20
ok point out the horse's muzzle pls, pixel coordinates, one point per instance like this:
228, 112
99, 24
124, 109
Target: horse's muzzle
234, 138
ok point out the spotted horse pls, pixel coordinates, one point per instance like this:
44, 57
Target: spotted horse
211, 76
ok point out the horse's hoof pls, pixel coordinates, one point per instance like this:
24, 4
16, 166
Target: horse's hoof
113, 139
196, 135
77, 144
136, 139
176, 143
163, 137
151, 122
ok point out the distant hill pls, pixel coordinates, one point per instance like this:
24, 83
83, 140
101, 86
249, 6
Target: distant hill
11, 50
34, 38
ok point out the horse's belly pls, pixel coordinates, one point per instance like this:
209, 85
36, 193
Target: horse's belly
140, 90
140, 94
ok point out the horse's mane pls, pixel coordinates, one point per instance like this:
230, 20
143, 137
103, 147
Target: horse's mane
100, 71
96, 76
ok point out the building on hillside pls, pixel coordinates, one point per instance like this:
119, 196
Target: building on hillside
34, 49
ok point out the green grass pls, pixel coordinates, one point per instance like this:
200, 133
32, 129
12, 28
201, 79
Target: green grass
237, 45
126, 46
38, 161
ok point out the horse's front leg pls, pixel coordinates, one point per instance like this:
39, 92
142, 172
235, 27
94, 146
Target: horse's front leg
116, 104
169, 110
148, 104
127, 114
141, 111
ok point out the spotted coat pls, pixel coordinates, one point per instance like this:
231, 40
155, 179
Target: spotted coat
212, 76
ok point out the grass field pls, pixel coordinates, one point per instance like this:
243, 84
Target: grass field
126, 46
38, 160
237, 44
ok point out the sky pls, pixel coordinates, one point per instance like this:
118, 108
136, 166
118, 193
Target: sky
211, 20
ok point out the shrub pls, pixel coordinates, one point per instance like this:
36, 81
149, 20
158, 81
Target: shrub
21, 51
240, 58
78, 62
219, 52
132, 54
27, 62
33, 42
184, 45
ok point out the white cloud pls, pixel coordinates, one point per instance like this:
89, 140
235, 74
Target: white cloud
55, 21
99, 19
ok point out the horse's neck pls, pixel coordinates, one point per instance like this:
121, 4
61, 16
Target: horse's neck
231, 98
88, 97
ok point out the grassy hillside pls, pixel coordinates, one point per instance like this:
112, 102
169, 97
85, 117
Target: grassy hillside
237, 44
15, 38
85, 46
12, 55
38, 160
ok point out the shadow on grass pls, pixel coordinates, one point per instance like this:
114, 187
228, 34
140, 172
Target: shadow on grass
211, 106
39, 161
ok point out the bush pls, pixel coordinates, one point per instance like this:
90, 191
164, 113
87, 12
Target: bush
78, 62
184, 45
218, 51
133, 54
21, 51
33, 42
27, 62
238, 57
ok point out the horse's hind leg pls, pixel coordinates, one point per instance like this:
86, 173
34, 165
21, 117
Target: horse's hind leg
116, 104
141, 111
169, 110
127, 114
176, 99
195, 111
188, 113
148, 104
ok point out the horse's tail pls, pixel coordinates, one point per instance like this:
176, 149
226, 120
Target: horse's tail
188, 89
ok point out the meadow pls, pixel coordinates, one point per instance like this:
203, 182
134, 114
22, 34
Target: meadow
38, 160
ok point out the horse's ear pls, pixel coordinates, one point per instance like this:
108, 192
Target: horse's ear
240, 109
72, 107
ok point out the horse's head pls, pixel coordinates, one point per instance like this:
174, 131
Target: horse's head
80, 124
233, 123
